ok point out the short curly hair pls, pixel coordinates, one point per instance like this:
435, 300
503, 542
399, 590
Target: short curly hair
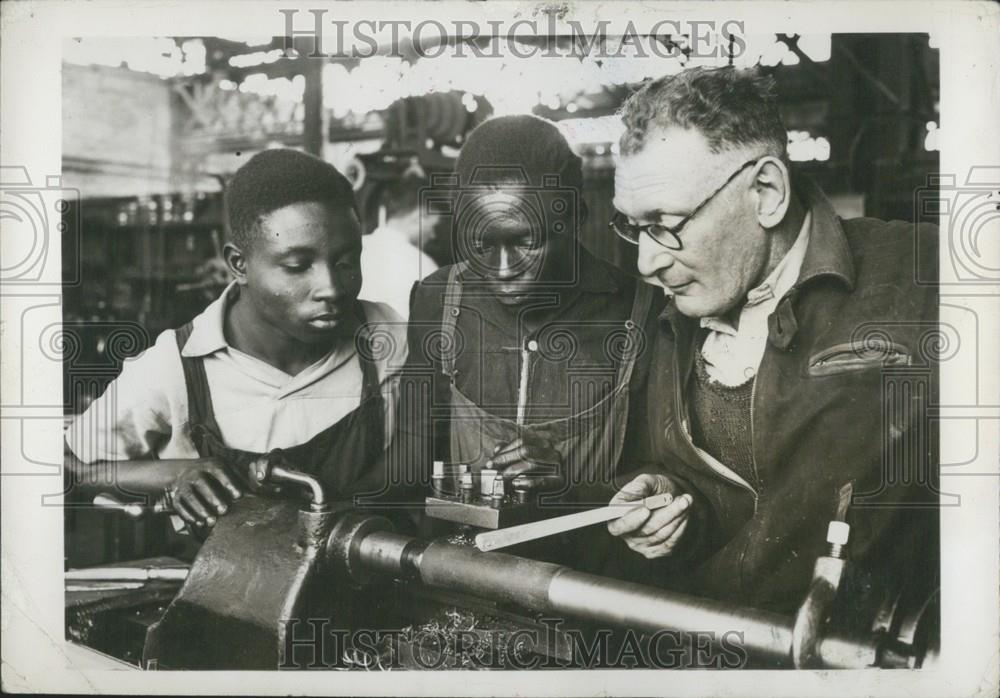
731, 107
276, 178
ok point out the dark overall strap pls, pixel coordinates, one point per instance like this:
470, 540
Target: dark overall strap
200, 410
370, 384
452, 299
347, 455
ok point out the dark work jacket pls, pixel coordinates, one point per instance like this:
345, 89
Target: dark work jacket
842, 394
573, 330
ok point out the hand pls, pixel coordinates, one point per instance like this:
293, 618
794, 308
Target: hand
531, 458
655, 533
202, 491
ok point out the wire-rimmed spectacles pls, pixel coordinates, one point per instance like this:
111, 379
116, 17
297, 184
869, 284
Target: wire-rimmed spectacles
666, 235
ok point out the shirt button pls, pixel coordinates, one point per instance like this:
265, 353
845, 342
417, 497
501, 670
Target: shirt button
454, 312
532, 345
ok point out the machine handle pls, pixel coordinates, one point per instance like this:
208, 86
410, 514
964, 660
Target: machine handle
267, 470
146, 573
134, 510
812, 614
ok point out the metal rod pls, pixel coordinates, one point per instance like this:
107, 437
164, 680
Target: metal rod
546, 587
512, 535
122, 574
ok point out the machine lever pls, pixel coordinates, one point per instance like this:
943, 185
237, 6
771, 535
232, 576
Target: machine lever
172, 573
266, 470
134, 510
812, 614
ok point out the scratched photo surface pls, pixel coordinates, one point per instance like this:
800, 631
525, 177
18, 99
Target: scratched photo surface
531, 344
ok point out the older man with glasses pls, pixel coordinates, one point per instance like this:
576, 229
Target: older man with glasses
771, 398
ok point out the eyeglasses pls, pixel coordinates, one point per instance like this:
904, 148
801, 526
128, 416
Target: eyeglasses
668, 236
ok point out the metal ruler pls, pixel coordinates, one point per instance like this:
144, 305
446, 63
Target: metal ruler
504, 537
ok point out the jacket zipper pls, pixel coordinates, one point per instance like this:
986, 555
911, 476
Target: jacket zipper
753, 450
678, 401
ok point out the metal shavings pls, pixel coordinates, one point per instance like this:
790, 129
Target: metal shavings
449, 631
463, 538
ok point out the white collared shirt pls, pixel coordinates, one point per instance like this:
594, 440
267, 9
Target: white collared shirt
733, 354
144, 412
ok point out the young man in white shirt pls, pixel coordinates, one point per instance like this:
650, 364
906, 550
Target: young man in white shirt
287, 358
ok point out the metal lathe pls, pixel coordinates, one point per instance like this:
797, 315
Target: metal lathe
306, 583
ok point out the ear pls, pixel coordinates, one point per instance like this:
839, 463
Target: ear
236, 262
774, 191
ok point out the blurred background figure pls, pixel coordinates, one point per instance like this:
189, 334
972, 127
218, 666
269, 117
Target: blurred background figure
392, 258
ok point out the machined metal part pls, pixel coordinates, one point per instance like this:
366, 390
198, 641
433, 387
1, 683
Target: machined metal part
341, 554
550, 588
487, 498
481, 511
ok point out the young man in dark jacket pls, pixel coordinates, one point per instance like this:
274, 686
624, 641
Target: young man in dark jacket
529, 356
792, 376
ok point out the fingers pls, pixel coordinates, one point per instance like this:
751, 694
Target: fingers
504, 460
181, 509
514, 463
642, 522
257, 471
653, 533
664, 516
663, 533
186, 509
529, 468
522, 449
223, 478
188, 496
651, 552
511, 446
631, 521
202, 493
208, 495
538, 483
639, 487
514, 452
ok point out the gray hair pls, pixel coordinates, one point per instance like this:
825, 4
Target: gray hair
732, 108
